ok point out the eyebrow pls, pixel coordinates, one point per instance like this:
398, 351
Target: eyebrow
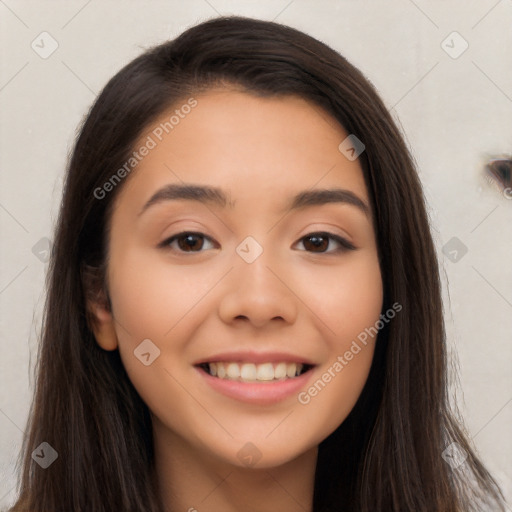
216, 196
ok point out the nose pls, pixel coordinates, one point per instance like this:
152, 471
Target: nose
257, 293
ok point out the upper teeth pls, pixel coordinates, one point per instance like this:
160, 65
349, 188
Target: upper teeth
252, 372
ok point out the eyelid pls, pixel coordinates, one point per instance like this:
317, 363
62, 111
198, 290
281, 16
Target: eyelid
345, 245
167, 241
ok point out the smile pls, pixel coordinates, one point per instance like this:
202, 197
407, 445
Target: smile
250, 372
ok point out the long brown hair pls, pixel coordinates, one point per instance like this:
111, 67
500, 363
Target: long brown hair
387, 455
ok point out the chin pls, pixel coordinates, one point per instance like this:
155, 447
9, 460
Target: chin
261, 455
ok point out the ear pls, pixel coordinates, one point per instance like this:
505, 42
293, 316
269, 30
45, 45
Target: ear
101, 322
98, 309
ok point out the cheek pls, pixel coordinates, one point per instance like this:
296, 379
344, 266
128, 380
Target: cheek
153, 296
164, 303
329, 399
348, 305
347, 299
153, 301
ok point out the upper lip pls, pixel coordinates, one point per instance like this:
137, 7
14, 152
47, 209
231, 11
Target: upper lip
254, 357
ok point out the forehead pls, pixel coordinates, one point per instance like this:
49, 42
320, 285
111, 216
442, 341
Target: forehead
245, 143
242, 119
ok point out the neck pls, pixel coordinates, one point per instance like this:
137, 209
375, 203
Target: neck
193, 481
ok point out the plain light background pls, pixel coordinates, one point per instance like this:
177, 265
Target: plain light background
454, 107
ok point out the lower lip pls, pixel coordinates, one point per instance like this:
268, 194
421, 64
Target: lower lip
264, 393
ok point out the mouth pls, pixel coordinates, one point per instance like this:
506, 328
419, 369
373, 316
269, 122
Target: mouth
269, 372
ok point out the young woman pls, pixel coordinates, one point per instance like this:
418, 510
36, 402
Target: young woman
244, 307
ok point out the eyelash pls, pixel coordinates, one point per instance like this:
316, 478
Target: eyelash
345, 245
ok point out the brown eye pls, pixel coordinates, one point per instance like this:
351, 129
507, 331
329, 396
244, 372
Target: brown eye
186, 242
190, 242
320, 242
316, 243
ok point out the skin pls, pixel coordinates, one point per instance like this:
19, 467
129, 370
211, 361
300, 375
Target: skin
293, 298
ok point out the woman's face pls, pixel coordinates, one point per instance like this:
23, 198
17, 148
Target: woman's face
274, 276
